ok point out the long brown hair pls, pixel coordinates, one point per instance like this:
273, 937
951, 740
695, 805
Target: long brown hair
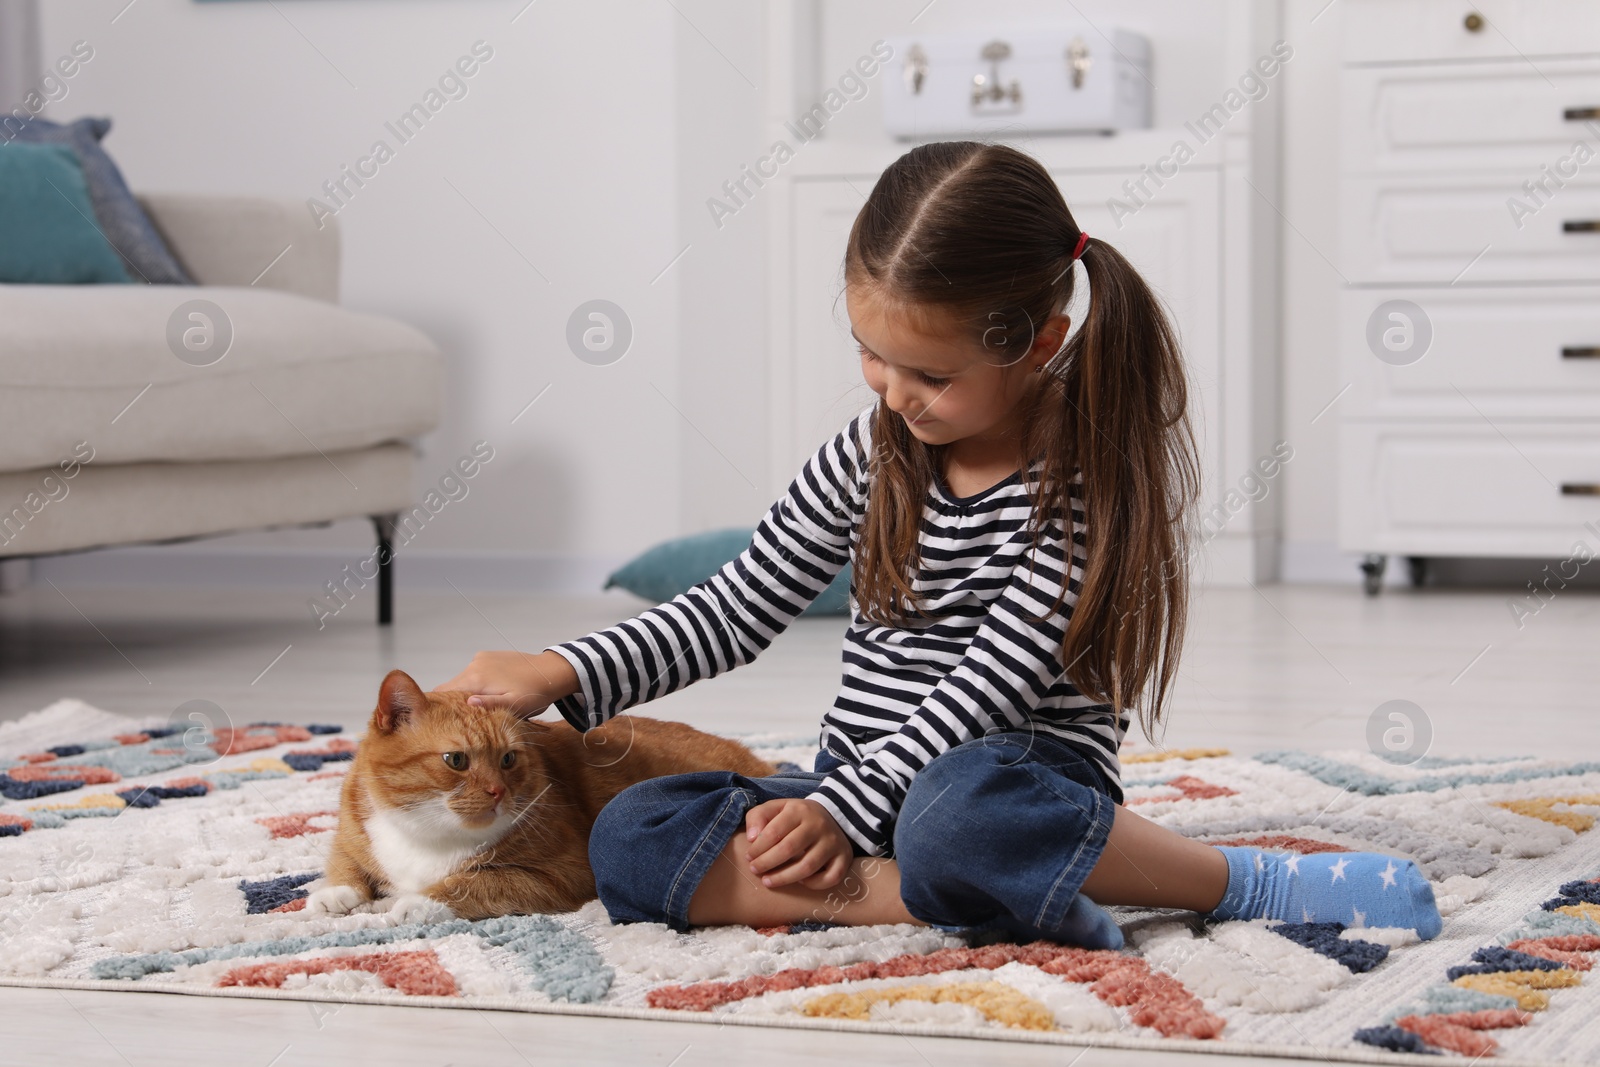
978, 236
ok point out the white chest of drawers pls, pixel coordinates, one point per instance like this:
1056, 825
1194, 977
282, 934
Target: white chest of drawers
1469, 325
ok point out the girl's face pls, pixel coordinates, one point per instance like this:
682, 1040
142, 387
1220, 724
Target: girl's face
945, 386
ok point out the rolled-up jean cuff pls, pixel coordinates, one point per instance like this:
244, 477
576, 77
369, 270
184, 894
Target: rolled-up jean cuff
1053, 911
728, 820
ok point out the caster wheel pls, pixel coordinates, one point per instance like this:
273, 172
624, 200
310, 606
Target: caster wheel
1417, 570
1372, 569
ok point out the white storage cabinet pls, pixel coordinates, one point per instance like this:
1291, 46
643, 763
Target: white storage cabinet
1469, 327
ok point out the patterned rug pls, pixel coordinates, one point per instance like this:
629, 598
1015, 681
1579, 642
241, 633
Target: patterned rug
145, 856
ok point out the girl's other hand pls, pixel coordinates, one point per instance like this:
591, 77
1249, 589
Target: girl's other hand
794, 839
520, 682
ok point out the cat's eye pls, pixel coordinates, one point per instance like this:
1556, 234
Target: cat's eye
456, 761
507, 760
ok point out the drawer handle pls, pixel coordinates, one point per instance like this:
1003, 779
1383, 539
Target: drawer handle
1581, 226
1580, 352
1581, 114
1580, 489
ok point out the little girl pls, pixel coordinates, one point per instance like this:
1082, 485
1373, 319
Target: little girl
1015, 506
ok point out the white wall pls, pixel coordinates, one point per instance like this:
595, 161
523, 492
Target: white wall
567, 143
722, 277
1311, 284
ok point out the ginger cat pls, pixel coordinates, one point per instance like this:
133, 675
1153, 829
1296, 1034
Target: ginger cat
453, 810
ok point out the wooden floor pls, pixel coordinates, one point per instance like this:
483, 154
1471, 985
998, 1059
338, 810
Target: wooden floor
1278, 666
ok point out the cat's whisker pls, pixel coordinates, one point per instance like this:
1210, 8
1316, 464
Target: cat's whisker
518, 819
527, 809
552, 803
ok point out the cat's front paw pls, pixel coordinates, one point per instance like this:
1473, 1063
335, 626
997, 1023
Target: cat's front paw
414, 908
334, 900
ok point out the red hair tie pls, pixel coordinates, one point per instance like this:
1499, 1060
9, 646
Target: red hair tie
1077, 250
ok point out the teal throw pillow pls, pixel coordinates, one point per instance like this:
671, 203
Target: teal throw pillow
48, 233
672, 567
123, 221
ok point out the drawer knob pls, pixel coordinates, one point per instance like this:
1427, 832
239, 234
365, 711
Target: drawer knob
1473, 22
1581, 226
1581, 114
1580, 352
1580, 489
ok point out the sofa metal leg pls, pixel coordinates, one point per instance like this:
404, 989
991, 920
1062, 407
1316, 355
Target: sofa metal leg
386, 525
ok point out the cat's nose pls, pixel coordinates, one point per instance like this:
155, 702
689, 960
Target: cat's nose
496, 790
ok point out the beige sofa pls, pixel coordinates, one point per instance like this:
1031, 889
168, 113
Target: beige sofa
124, 420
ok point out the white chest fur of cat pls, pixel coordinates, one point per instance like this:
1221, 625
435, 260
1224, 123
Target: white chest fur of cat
414, 847
418, 846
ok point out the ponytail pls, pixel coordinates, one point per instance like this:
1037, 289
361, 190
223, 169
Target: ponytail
1122, 385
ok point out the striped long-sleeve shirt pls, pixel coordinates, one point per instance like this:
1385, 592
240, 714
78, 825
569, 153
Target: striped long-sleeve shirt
981, 661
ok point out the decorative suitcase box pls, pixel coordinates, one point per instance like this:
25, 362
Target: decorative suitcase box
1032, 79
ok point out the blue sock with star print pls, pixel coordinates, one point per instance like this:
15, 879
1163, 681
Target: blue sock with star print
1355, 888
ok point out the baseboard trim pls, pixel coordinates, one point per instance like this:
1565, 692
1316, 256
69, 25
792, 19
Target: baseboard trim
200, 565
1300, 563
1321, 563
311, 569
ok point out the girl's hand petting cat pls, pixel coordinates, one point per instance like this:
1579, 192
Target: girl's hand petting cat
522, 683
794, 839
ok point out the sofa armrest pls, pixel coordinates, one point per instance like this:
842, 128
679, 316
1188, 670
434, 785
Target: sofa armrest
249, 240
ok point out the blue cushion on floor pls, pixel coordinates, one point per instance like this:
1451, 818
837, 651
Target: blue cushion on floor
48, 234
124, 223
672, 567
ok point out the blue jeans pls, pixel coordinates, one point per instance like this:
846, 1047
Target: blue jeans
994, 835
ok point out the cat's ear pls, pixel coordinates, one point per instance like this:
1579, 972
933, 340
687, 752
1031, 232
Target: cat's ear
399, 700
